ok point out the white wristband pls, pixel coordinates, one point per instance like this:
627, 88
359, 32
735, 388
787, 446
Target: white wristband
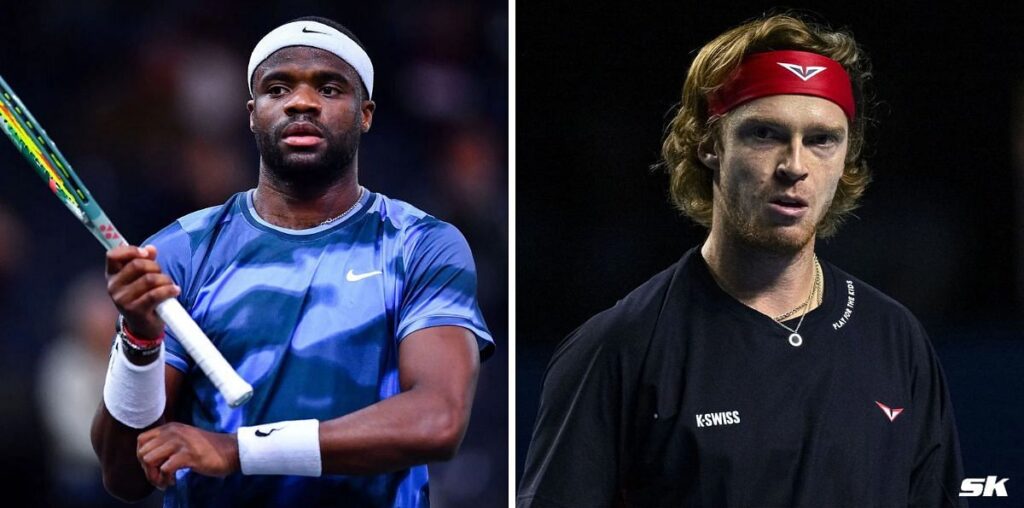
134, 394
287, 448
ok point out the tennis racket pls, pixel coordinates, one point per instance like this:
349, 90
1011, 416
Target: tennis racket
31, 140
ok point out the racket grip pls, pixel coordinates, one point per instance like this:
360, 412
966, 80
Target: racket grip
234, 389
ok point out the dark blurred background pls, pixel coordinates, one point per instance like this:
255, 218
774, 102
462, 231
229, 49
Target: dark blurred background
940, 228
147, 101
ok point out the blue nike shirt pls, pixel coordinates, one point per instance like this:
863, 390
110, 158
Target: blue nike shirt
313, 320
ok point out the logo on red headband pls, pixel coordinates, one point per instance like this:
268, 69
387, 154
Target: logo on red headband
762, 74
803, 73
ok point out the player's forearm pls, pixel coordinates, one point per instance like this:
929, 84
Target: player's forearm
438, 369
114, 444
138, 398
405, 430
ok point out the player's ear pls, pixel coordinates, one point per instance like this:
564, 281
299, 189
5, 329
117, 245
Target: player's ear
707, 152
250, 105
367, 114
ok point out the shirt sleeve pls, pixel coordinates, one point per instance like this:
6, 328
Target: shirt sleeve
174, 255
574, 455
938, 470
440, 283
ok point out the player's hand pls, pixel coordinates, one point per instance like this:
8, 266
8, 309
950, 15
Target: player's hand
137, 285
174, 446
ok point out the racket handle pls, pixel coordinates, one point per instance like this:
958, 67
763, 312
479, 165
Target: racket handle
234, 389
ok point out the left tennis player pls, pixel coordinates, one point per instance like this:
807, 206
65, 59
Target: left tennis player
353, 315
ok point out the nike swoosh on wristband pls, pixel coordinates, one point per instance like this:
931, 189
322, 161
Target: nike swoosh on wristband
354, 277
260, 433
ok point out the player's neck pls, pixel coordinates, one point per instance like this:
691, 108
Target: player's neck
294, 205
771, 283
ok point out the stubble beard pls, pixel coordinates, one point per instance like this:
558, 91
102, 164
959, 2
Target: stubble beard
305, 170
753, 231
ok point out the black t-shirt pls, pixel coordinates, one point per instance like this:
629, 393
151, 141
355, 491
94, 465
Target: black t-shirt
680, 395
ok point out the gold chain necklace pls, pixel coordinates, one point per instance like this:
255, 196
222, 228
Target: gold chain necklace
815, 290
795, 339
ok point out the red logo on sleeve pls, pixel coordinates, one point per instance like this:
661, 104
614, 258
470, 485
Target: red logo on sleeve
890, 412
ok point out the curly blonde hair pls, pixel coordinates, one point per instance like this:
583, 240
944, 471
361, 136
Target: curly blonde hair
691, 180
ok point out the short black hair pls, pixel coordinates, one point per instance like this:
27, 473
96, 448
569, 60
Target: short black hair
343, 29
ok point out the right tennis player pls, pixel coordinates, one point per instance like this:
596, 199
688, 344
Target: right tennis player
751, 373
353, 315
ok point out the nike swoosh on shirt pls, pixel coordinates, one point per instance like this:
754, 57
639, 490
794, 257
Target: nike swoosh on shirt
354, 277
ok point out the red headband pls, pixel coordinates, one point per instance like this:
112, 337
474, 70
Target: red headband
781, 73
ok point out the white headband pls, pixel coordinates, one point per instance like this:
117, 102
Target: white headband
316, 35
